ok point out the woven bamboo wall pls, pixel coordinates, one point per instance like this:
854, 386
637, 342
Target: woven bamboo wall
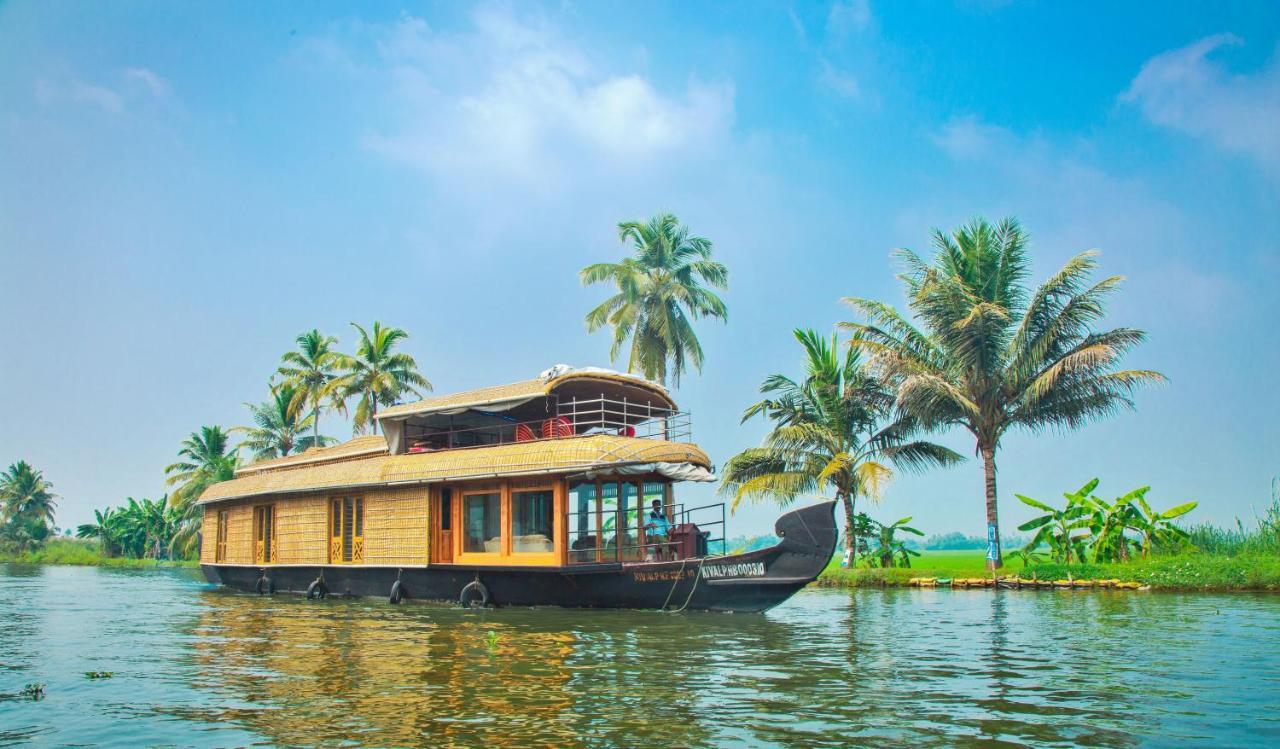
395, 526
302, 530
209, 535
395, 529
239, 534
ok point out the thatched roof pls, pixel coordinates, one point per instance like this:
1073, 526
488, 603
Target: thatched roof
358, 464
516, 391
359, 447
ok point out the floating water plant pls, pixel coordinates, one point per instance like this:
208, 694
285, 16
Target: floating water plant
35, 691
491, 642
97, 674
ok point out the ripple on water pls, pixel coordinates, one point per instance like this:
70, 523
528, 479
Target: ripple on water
196, 666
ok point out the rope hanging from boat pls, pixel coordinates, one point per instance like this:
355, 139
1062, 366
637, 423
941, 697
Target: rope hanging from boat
679, 577
696, 579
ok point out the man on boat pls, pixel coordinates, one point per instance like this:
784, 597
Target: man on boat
657, 530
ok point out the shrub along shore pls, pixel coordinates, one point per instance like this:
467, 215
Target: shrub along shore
85, 554
1183, 572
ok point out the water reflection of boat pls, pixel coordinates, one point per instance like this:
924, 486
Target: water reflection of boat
554, 491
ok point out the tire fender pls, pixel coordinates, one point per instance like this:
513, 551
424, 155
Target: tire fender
317, 589
265, 585
474, 593
398, 592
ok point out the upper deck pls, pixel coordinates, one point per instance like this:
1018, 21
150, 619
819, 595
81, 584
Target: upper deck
572, 422
562, 403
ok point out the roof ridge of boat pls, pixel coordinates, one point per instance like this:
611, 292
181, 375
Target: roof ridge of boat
512, 459
359, 446
527, 388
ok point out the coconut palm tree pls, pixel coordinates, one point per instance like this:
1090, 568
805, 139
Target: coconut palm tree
25, 495
835, 430
277, 431
310, 371
206, 458
660, 292
991, 354
377, 375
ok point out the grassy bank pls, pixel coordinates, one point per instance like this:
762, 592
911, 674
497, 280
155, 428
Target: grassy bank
87, 554
1191, 571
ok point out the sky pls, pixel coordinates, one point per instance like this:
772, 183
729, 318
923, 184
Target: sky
185, 187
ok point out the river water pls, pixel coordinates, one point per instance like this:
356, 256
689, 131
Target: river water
196, 666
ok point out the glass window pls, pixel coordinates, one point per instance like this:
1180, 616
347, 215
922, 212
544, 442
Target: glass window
483, 513
582, 522
446, 509
532, 521
629, 526
609, 526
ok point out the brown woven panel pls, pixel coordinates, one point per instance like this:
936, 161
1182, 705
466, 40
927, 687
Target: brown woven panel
302, 530
209, 534
239, 534
513, 459
395, 526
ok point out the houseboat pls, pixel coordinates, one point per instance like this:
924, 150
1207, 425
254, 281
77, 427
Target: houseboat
559, 490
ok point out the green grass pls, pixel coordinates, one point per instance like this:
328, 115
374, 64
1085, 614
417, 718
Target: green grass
83, 553
1188, 571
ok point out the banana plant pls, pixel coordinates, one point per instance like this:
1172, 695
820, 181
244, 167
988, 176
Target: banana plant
1028, 556
1108, 521
1155, 526
890, 548
1057, 528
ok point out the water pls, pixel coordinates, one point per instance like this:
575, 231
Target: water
197, 666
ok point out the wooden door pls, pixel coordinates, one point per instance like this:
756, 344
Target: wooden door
442, 527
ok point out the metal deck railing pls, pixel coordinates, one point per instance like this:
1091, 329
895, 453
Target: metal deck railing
621, 534
573, 418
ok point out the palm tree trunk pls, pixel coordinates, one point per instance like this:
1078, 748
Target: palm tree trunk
849, 543
993, 516
315, 424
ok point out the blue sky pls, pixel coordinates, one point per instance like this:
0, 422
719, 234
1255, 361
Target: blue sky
185, 187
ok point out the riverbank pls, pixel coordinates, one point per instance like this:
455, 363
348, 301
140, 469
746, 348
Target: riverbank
1185, 572
78, 553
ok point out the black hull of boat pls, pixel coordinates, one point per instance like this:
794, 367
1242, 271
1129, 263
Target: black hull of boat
750, 582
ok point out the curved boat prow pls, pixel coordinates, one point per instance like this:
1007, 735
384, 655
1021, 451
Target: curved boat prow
808, 540
761, 579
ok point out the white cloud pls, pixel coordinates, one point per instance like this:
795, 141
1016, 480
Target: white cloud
967, 137
841, 82
131, 84
510, 99
848, 17
1184, 89
153, 83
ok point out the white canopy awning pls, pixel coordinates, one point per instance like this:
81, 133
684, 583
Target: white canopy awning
674, 471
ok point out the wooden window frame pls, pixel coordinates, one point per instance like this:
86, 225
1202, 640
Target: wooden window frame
266, 546
461, 555
337, 521
221, 521
505, 489
509, 511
